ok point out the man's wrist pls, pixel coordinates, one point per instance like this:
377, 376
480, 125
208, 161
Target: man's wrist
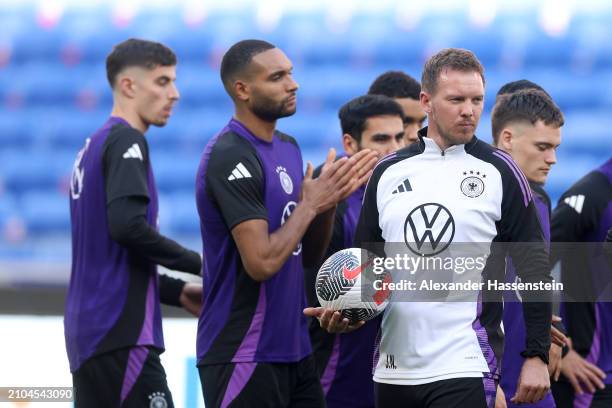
566, 349
309, 209
535, 354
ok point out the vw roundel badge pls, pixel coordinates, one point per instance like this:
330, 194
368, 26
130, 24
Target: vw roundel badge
429, 229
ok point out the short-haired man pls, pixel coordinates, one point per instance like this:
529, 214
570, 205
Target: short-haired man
405, 90
344, 361
256, 209
519, 85
527, 125
112, 320
462, 190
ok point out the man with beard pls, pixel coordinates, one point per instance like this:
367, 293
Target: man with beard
405, 90
462, 190
255, 206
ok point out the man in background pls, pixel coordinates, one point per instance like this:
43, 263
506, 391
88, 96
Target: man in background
518, 85
112, 320
405, 90
527, 125
580, 223
344, 361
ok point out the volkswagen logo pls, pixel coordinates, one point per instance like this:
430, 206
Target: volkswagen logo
429, 229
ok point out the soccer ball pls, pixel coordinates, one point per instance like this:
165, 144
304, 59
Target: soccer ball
345, 282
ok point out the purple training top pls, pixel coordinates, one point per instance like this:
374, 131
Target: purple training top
514, 323
113, 296
242, 177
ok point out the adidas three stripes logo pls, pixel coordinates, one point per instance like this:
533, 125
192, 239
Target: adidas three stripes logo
403, 188
239, 172
576, 202
133, 153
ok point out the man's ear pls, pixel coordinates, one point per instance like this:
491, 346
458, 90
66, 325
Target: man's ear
126, 85
351, 146
241, 90
425, 100
505, 139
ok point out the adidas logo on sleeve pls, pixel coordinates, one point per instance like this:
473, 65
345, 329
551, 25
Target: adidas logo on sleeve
133, 153
403, 188
576, 202
239, 172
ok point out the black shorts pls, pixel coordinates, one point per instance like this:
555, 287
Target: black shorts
564, 395
129, 377
262, 385
452, 393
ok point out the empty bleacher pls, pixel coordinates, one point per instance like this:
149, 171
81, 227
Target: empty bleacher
53, 91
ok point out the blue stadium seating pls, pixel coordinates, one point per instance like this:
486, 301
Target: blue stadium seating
23, 170
172, 174
178, 213
45, 212
8, 207
54, 94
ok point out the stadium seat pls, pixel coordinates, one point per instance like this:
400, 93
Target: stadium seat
15, 131
173, 173
54, 93
24, 170
45, 212
178, 214
8, 207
